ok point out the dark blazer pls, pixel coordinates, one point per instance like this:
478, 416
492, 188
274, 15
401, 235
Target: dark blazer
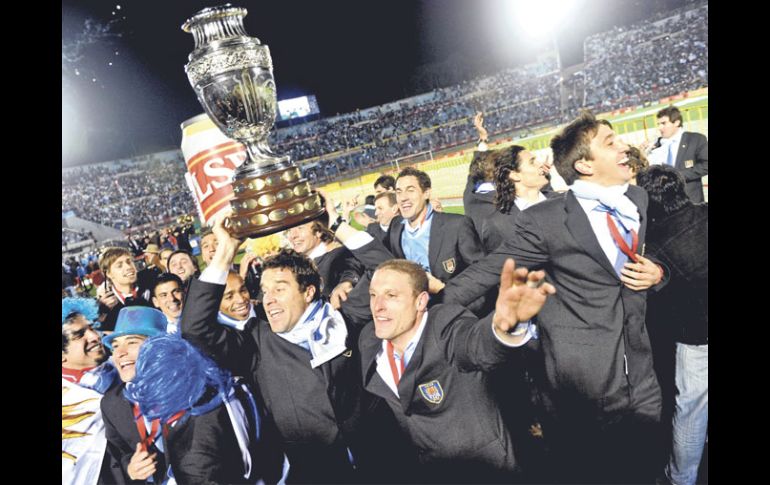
201, 449
122, 437
478, 207
692, 161
336, 266
499, 226
459, 436
681, 241
376, 231
317, 412
592, 334
453, 246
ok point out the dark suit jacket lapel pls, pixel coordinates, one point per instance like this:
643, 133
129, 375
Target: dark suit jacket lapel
369, 347
408, 383
579, 226
680, 154
124, 418
435, 241
396, 229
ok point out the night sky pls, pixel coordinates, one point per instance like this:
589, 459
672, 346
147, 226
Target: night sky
350, 54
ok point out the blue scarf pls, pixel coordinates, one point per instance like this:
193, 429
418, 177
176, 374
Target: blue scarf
320, 330
613, 199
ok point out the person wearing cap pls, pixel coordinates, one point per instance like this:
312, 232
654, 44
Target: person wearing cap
121, 286
86, 375
130, 459
153, 266
207, 425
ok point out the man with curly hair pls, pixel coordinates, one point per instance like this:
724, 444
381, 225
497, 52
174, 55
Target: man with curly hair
85, 377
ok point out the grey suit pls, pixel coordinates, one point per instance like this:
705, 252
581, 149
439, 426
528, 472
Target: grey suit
596, 350
692, 162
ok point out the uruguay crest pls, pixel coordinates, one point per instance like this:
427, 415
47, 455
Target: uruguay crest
432, 392
449, 265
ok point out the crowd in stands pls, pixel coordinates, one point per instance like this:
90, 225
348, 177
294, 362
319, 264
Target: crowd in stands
69, 236
649, 60
125, 195
543, 336
623, 67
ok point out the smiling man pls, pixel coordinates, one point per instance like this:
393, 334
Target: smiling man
184, 265
130, 460
121, 286
168, 297
86, 375
431, 367
599, 377
236, 308
300, 352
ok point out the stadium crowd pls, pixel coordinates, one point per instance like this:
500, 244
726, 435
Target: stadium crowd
407, 347
126, 195
624, 67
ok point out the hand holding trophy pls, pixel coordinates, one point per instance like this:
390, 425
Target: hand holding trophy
232, 75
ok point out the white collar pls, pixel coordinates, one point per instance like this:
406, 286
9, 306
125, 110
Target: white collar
415, 338
524, 203
318, 251
675, 138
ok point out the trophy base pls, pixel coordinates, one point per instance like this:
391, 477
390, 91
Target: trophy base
272, 199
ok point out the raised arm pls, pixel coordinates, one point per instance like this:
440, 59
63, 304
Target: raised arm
229, 347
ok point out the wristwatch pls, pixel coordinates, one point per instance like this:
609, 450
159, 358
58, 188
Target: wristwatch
336, 225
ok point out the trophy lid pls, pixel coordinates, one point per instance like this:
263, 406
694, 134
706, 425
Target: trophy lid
215, 24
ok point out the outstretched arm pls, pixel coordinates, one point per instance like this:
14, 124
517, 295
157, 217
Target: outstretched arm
521, 296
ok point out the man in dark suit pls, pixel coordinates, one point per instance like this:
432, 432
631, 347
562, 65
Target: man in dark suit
479, 193
432, 366
443, 244
303, 356
339, 270
687, 152
385, 210
129, 461
601, 391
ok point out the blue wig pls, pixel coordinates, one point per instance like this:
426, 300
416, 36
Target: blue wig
84, 306
172, 375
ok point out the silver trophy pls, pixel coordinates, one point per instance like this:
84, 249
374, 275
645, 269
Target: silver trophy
232, 75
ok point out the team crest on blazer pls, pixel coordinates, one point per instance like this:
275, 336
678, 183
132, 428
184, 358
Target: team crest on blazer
449, 265
432, 392
689, 164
